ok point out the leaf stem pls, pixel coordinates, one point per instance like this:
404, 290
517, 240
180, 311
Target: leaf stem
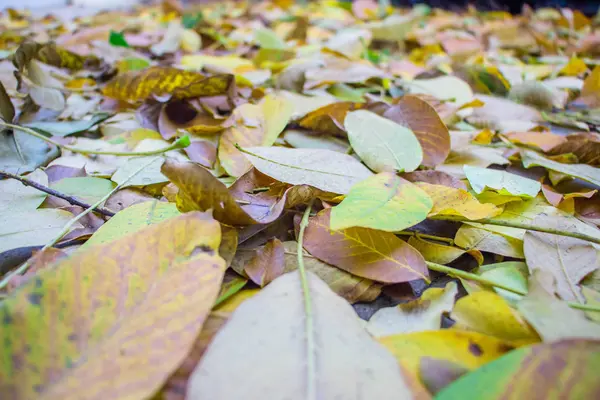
70, 224
311, 375
52, 192
180, 143
519, 225
419, 235
474, 277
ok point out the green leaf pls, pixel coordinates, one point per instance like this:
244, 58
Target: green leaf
15, 197
383, 144
383, 201
189, 21
501, 181
538, 372
581, 171
88, 189
21, 152
132, 219
133, 64
513, 274
117, 39
66, 128
31, 228
268, 39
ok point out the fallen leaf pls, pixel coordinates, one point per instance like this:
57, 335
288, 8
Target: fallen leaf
383, 144
469, 350
489, 314
591, 86
330, 118
343, 343
351, 287
544, 141
434, 178
532, 372
503, 182
513, 274
586, 146
305, 140
15, 196
132, 219
457, 202
200, 190
469, 237
567, 259
541, 309
267, 263
538, 95
324, 169
87, 189
110, 321
137, 86
31, 228
423, 314
498, 113
449, 88
582, 171
66, 128
253, 125
369, 253
383, 201
417, 115
441, 253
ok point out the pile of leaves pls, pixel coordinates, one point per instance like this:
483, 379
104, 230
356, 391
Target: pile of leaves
200, 202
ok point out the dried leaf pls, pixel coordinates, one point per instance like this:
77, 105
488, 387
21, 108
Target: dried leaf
114, 329
278, 313
253, 125
582, 171
383, 201
434, 178
423, 314
324, 169
441, 253
586, 146
267, 263
469, 238
457, 202
372, 254
567, 259
330, 118
544, 141
383, 144
416, 114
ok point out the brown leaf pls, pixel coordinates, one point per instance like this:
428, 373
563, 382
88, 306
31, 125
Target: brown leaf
330, 118
544, 141
416, 114
586, 146
267, 263
181, 114
369, 253
200, 190
434, 178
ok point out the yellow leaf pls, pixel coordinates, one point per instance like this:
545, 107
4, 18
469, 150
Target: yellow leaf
227, 64
469, 237
453, 201
575, 67
119, 304
441, 253
488, 313
470, 350
484, 137
590, 93
137, 86
252, 125
190, 41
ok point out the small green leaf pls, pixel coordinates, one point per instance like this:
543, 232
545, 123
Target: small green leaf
383, 201
501, 181
383, 144
88, 189
117, 39
267, 39
189, 21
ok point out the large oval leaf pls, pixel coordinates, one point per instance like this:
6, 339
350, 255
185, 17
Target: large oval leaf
383, 201
369, 253
101, 324
324, 169
381, 143
272, 324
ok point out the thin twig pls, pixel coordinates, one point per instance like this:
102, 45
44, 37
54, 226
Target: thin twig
180, 143
474, 277
311, 373
519, 225
45, 189
66, 229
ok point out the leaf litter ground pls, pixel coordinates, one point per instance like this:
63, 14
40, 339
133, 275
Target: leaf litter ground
193, 191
